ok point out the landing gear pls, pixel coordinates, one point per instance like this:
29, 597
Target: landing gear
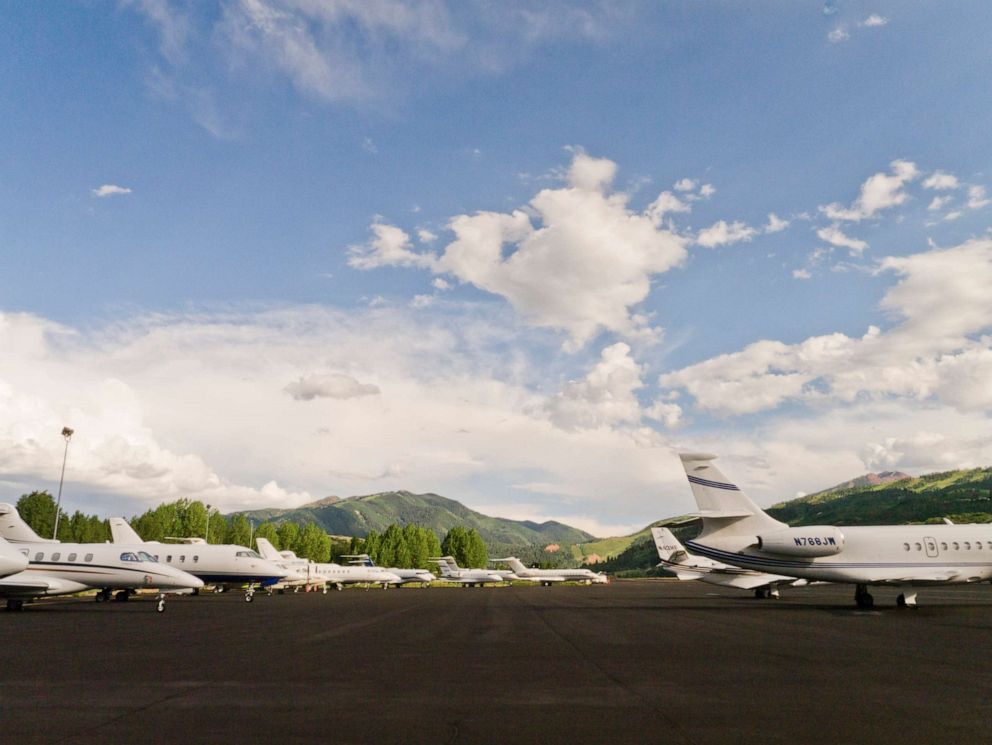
325, 589
250, 592
863, 598
15, 605
907, 599
122, 596
339, 587
103, 596
761, 593
161, 603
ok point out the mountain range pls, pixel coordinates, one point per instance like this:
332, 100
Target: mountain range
356, 516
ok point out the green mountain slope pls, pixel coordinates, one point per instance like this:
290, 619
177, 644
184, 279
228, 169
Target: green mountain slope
358, 515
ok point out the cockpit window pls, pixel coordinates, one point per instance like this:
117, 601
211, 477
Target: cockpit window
129, 556
248, 554
146, 556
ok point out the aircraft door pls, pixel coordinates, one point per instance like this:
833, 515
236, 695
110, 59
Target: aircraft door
930, 545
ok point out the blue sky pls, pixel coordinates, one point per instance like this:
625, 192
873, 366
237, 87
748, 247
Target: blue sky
519, 254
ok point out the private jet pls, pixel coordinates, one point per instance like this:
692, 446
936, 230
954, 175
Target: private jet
222, 565
738, 532
674, 557
548, 577
407, 576
55, 568
451, 572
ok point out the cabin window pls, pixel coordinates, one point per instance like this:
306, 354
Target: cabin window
56, 556
182, 559
196, 559
168, 559
919, 547
956, 546
39, 556
967, 546
88, 557
72, 557
906, 546
978, 545
943, 546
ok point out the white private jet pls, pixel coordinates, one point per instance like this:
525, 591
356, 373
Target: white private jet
216, 564
737, 532
548, 577
303, 571
55, 568
676, 559
331, 573
406, 576
451, 572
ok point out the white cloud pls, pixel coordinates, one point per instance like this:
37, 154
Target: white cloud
669, 414
604, 398
581, 268
874, 20
441, 284
936, 350
938, 203
426, 236
110, 190
707, 190
801, 274
879, 192
329, 385
775, 224
941, 181
197, 406
835, 237
390, 246
686, 184
838, 35
977, 198
664, 204
722, 233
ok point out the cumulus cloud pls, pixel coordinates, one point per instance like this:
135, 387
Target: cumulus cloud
938, 203
941, 181
665, 203
881, 191
577, 259
837, 35
938, 349
331, 385
977, 198
775, 224
686, 184
110, 190
605, 397
722, 233
835, 237
874, 21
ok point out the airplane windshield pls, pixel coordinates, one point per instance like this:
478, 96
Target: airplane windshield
146, 557
129, 556
248, 554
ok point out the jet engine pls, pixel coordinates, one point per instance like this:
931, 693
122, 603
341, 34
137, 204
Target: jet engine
812, 541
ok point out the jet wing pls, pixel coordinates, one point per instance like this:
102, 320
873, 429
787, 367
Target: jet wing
29, 585
925, 577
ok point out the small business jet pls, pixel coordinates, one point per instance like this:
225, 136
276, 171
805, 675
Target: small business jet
224, 565
303, 571
738, 532
55, 568
407, 576
548, 577
686, 567
451, 572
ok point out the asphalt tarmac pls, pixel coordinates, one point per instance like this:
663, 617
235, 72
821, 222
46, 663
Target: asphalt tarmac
632, 662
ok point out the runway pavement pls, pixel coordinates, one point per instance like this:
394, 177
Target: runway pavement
632, 662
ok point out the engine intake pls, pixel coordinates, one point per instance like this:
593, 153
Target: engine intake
812, 541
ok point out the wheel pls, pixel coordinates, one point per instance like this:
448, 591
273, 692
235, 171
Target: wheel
161, 606
121, 596
103, 596
248, 597
15, 605
901, 601
325, 589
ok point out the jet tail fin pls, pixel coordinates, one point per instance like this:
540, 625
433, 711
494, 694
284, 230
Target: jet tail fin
668, 546
722, 505
267, 550
14, 529
122, 532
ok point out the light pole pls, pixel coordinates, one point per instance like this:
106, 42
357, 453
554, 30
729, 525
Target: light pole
67, 434
206, 533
